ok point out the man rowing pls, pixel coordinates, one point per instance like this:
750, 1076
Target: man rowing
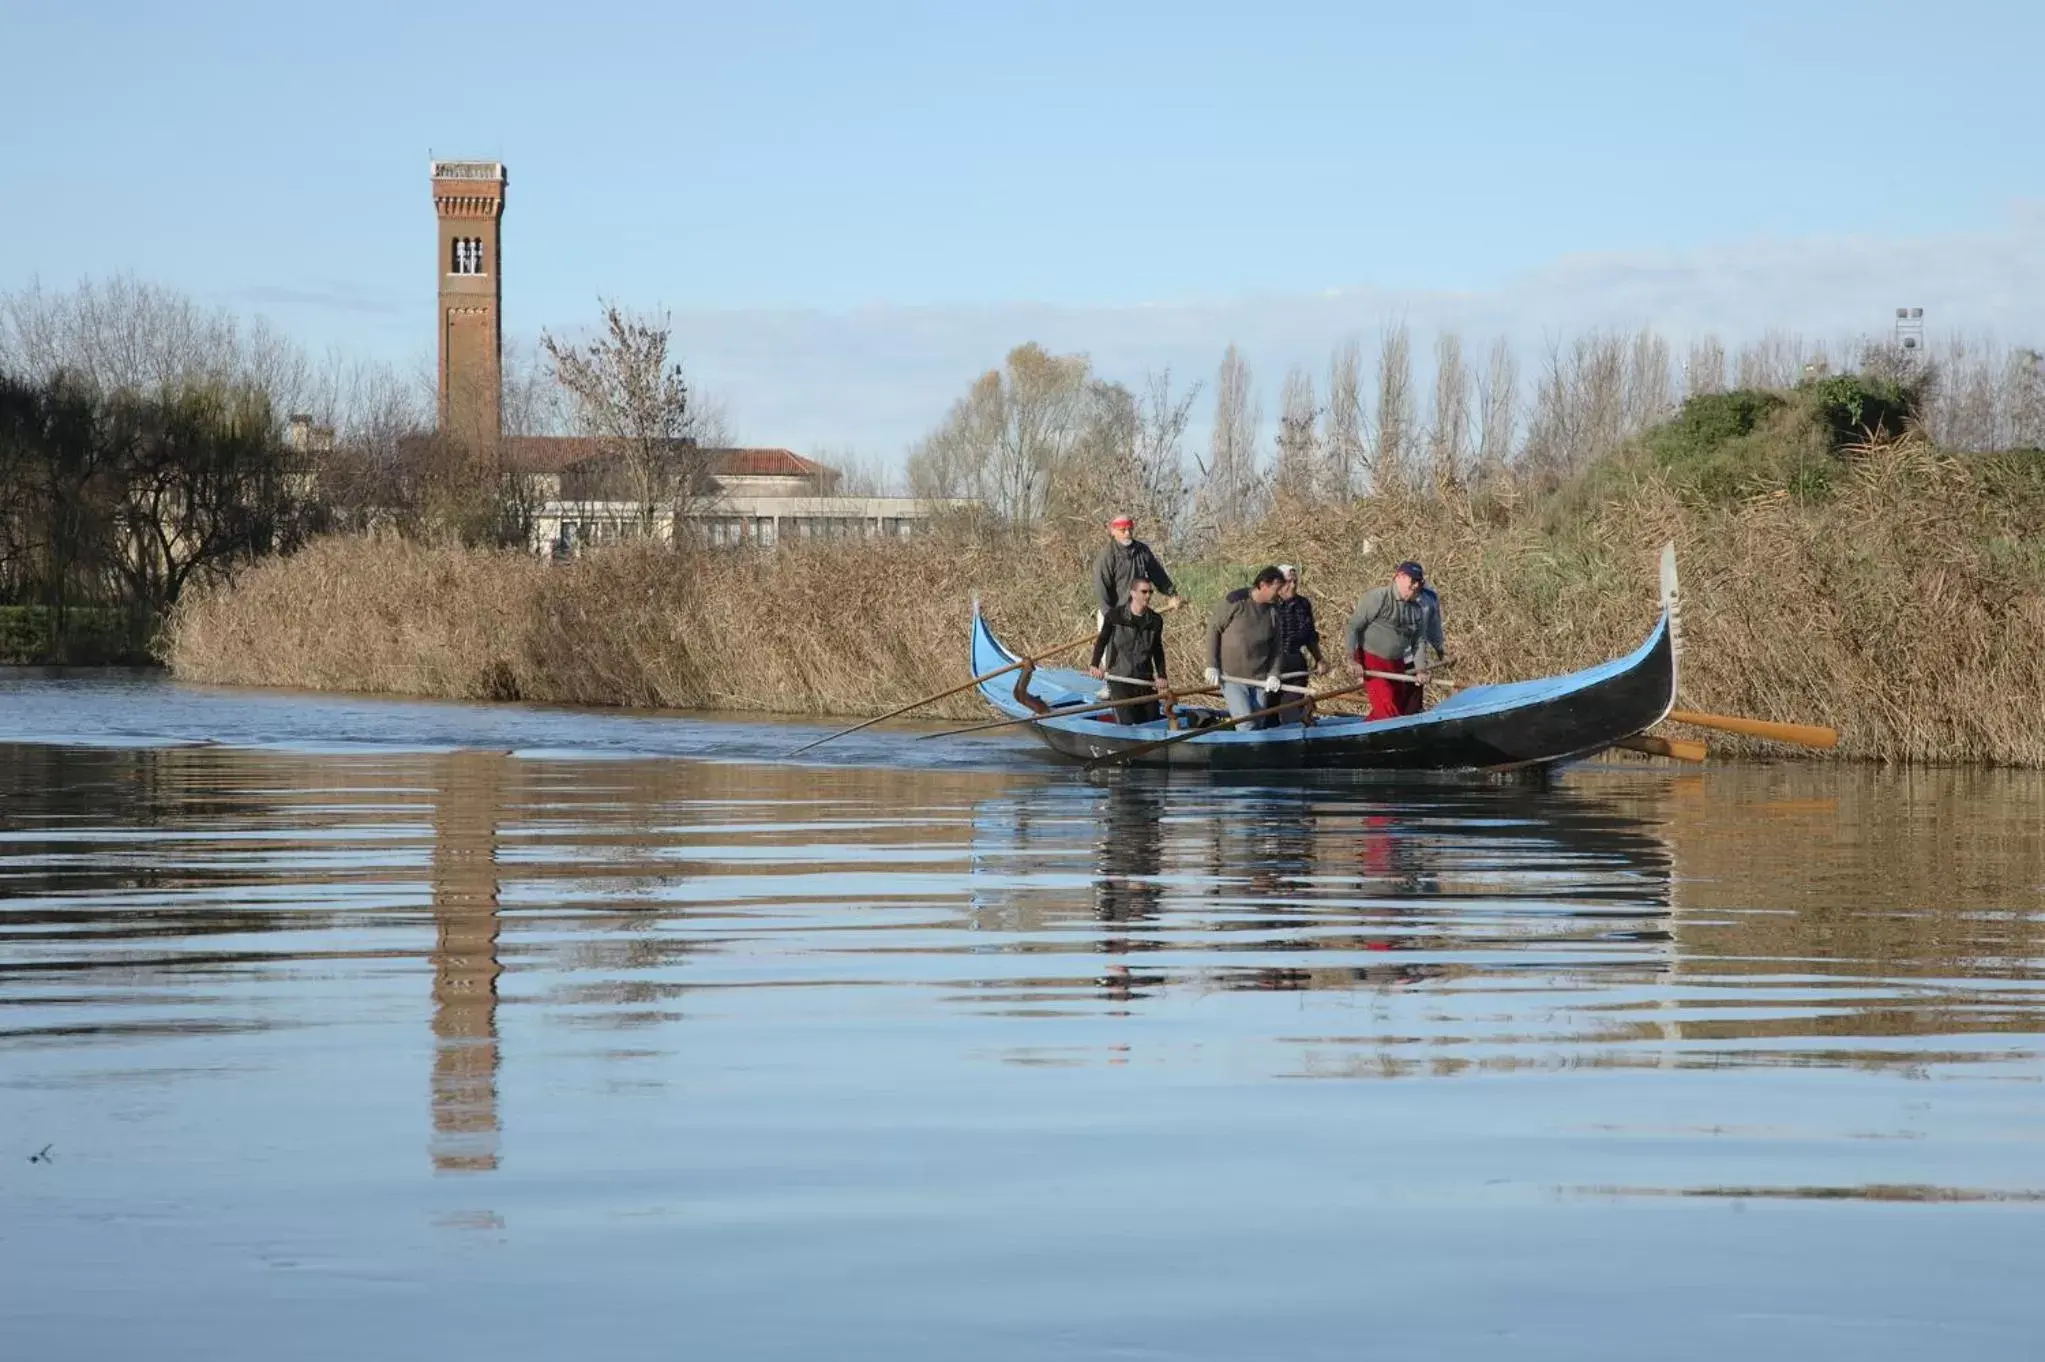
1392, 630
1299, 640
1129, 652
1242, 648
1124, 561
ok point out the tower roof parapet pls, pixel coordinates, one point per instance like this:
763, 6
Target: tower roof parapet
469, 170
469, 189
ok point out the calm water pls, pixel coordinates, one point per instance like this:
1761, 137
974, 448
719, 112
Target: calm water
347, 1029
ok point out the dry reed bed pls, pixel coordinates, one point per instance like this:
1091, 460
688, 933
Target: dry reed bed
1907, 610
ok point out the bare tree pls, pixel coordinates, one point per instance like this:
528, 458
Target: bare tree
2027, 399
1648, 397
363, 435
1704, 371
1579, 411
1498, 395
853, 474
1161, 419
630, 398
1228, 479
1343, 452
532, 402
1296, 471
1776, 360
1010, 436
1448, 441
1973, 394
1100, 469
1392, 458
123, 334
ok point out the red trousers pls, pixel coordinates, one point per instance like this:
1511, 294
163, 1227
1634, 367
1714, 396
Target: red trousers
1388, 699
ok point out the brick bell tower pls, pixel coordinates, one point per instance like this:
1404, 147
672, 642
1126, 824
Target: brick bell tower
468, 202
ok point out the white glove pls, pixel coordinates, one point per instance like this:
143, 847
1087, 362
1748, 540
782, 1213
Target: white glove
1101, 694
1213, 675
1271, 684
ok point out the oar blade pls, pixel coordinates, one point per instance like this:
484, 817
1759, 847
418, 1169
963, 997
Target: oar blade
1800, 735
1654, 745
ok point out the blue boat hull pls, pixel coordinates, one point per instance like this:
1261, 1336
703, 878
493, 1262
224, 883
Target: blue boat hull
1484, 728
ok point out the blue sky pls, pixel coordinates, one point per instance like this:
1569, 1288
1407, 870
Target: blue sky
853, 208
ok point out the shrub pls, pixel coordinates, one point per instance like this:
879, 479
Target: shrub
1723, 447
1853, 407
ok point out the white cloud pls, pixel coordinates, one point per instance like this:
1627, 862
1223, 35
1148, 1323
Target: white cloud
875, 379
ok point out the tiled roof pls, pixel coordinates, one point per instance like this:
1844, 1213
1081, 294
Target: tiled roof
556, 453
763, 463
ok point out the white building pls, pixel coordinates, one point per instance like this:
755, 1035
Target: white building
761, 497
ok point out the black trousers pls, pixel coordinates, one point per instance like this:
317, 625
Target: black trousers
1133, 714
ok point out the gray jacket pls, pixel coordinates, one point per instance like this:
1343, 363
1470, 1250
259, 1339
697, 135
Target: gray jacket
1118, 567
1242, 638
1399, 631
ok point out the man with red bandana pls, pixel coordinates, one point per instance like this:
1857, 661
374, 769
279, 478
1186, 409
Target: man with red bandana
1124, 561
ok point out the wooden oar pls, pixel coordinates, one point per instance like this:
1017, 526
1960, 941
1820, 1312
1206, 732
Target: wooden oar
1681, 749
1067, 646
1259, 685
1161, 697
1407, 677
1802, 735
1141, 748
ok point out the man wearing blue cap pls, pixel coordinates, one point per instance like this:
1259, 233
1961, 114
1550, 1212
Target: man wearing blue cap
1392, 630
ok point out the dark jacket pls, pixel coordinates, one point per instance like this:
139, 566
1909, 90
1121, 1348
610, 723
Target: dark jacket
1133, 644
1242, 638
1118, 567
1297, 635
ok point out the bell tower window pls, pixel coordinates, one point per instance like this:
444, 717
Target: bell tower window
468, 255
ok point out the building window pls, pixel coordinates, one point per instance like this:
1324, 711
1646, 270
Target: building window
468, 255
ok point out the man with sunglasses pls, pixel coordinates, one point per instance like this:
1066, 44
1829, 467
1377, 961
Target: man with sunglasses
1131, 644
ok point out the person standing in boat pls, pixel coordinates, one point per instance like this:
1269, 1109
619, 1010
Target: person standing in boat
1393, 629
1124, 561
1300, 657
1299, 638
1242, 642
1130, 649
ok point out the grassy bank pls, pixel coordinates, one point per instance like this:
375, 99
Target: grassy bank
1901, 598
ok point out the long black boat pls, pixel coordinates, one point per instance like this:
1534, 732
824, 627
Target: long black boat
1516, 725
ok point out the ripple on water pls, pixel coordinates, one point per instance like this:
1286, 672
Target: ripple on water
906, 1049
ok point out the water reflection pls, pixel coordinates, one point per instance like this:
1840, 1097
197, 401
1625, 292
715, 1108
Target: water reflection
1741, 919
1319, 888
907, 1062
468, 807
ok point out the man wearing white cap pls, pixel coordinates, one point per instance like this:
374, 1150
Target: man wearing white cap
1299, 639
1126, 560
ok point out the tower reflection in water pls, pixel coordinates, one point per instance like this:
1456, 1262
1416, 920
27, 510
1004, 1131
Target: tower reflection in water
468, 807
